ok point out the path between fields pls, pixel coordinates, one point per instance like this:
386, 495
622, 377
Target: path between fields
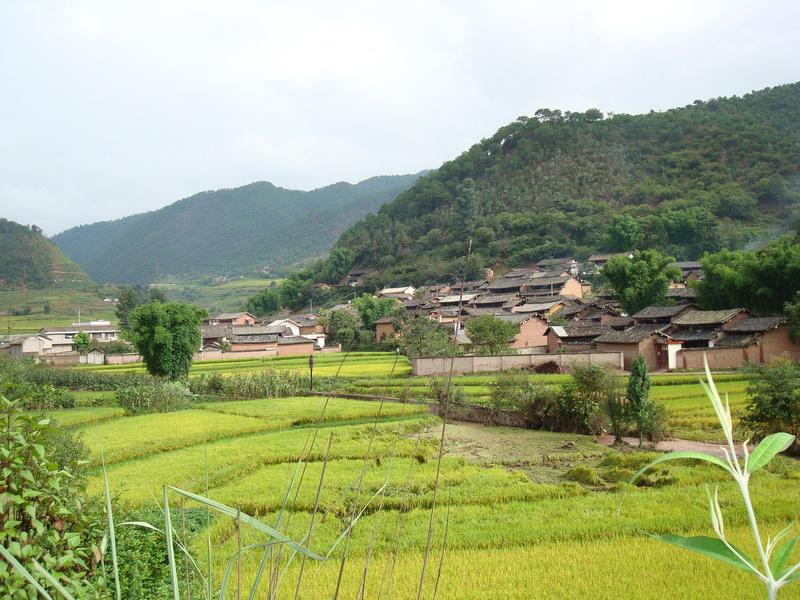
672, 445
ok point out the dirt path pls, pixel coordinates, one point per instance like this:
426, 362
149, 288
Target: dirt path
672, 445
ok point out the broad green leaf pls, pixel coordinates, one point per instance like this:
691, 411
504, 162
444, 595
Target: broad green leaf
682, 455
781, 555
53, 581
767, 449
709, 546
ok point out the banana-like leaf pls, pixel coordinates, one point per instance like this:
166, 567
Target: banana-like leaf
251, 521
112, 536
712, 547
682, 455
782, 555
25, 573
767, 449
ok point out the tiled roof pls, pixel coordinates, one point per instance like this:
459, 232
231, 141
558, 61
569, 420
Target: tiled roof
705, 317
580, 330
231, 315
736, 340
700, 335
619, 322
553, 261
82, 327
634, 335
294, 339
477, 312
516, 273
756, 324
253, 339
258, 330
454, 298
659, 312
215, 331
546, 282
535, 307
385, 320
685, 292
506, 283
494, 299
688, 265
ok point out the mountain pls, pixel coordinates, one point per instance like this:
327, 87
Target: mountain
227, 231
723, 173
30, 260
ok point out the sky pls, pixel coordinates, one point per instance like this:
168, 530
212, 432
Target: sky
113, 108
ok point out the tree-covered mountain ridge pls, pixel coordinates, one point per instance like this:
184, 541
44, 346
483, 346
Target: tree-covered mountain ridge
29, 260
715, 174
255, 227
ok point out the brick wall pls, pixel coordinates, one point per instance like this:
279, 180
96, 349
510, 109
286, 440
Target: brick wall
295, 349
531, 333
490, 364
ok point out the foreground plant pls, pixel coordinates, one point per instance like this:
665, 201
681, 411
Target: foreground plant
771, 565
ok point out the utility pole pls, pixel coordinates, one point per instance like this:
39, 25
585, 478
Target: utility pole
311, 372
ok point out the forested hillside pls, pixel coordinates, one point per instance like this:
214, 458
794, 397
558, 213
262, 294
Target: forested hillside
30, 260
716, 174
226, 231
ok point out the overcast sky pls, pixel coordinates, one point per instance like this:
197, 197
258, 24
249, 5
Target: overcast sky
108, 109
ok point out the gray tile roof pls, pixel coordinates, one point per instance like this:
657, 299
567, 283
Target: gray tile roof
659, 312
705, 317
81, 327
756, 324
736, 340
633, 335
253, 339
506, 283
294, 339
494, 299
580, 330
687, 335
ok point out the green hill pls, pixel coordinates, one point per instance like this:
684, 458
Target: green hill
28, 260
714, 174
231, 231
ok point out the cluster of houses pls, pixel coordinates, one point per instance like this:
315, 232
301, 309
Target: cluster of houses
57, 344
244, 334
554, 311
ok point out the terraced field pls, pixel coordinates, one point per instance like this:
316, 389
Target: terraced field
510, 513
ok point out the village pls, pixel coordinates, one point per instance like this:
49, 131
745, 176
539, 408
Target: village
551, 304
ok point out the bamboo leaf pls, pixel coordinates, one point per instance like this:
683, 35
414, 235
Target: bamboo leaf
711, 547
111, 534
251, 521
767, 449
53, 581
25, 573
682, 455
173, 572
782, 555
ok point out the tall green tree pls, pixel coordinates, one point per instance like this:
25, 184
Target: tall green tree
639, 395
131, 296
491, 334
371, 308
167, 334
642, 280
340, 326
421, 336
82, 342
295, 290
339, 262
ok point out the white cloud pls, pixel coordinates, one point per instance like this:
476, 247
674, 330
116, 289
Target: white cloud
115, 108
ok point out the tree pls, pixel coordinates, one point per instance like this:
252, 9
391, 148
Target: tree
339, 262
82, 342
793, 310
773, 400
266, 302
131, 296
625, 233
167, 334
642, 280
639, 404
340, 327
422, 337
491, 334
295, 290
371, 308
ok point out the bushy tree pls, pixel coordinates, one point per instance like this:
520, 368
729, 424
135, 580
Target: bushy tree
296, 289
491, 334
82, 342
167, 334
371, 308
266, 302
642, 280
131, 296
645, 414
422, 337
773, 400
340, 326
793, 310
339, 262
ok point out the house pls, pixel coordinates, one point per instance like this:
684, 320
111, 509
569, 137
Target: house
240, 318
561, 285
355, 277
569, 265
255, 341
682, 295
769, 334
546, 309
92, 357
215, 334
295, 345
279, 325
495, 301
575, 337
504, 285
398, 293
532, 331
63, 338
691, 270
384, 329
598, 261
701, 328
659, 314
31, 346
616, 323
649, 340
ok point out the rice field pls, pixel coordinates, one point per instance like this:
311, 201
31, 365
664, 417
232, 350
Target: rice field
513, 519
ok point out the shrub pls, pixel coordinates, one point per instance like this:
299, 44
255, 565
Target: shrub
33, 396
773, 403
154, 397
442, 395
547, 368
45, 513
582, 398
540, 407
508, 388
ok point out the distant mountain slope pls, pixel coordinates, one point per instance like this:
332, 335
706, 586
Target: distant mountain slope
30, 260
226, 231
713, 174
